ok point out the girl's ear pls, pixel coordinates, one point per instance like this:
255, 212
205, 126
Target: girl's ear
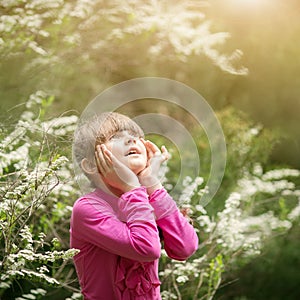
88, 167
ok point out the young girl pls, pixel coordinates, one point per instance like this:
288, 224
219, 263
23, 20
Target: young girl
117, 227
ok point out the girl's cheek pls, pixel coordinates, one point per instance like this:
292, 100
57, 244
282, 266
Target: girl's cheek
146, 154
112, 146
108, 145
145, 150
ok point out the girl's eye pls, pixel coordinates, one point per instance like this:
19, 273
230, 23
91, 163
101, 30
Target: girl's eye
112, 137
115, 136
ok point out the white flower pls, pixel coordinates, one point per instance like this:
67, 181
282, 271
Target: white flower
295, 212
190, 187
182, 279
281, 173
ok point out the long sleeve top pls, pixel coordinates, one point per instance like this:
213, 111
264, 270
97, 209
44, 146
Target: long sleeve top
120, 246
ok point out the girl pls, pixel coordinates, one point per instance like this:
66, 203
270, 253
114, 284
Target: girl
117, 226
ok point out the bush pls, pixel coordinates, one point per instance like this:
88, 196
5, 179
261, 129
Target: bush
36, 197
37, 192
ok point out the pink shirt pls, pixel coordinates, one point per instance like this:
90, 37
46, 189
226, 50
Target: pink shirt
120, 245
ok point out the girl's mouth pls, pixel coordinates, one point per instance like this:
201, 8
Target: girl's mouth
132, 151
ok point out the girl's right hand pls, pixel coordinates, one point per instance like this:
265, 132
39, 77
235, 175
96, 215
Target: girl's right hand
113, 172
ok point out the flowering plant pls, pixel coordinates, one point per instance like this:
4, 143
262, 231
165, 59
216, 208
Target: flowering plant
260, 206
37, 192
34, 214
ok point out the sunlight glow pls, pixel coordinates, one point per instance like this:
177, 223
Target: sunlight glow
251, 2
248, 3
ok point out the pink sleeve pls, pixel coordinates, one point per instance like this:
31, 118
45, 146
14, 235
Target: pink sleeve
180, 238
137, 238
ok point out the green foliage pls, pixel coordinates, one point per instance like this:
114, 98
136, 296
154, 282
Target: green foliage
251, 207
35, 179
74, 49
273, 275
38, 192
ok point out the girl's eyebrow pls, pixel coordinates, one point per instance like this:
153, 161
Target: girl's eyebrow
116, 133
121, 133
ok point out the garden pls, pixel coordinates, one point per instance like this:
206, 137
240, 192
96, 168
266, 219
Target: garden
240, 56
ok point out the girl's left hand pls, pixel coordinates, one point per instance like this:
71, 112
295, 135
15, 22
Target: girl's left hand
149, 176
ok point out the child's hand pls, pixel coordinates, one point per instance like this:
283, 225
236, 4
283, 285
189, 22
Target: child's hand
149, 176
113, 172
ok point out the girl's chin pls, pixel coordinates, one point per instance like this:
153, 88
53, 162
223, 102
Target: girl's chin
137, 169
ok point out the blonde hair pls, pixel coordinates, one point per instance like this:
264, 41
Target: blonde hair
98, 130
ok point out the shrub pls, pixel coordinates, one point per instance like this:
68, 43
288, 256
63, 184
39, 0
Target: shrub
36, 195
37, 192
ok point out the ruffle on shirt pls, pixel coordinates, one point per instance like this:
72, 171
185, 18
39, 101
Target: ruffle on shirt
136, 280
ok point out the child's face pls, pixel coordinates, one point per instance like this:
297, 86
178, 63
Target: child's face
128, 149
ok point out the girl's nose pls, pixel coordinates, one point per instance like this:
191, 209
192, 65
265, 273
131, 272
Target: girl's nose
130, 140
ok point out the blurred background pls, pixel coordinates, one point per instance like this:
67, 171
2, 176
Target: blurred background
240, 55
81, 55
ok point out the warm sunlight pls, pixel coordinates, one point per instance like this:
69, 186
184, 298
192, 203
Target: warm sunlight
249, 3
